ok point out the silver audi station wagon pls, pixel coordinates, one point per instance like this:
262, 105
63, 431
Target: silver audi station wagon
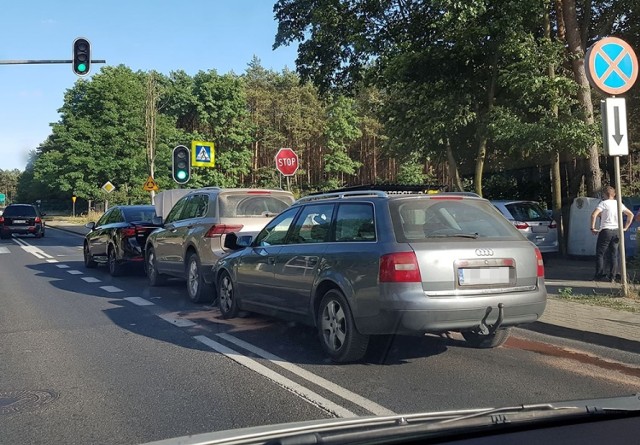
372, 262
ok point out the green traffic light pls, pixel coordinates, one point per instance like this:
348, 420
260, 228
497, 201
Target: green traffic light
181, 175
82, 67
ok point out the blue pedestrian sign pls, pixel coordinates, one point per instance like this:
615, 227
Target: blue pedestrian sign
203, 154
611, 65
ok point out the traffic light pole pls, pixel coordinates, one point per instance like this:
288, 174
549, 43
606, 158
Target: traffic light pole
41, 62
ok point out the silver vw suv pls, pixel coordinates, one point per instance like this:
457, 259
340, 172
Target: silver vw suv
197, 230
354, 264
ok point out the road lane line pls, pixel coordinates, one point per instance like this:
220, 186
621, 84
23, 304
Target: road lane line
139, 301
338, 390
62, 266
36, 251
91, 280
4, 250
52, 261
179, 322
111, 289
301, 391
74, 272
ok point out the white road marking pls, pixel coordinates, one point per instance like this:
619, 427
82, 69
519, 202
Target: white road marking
52, 261
138, 301
313, 397
62, 266
111, 289
338, 390
74, 272
4, 250
91, 280
179, 322
35, 251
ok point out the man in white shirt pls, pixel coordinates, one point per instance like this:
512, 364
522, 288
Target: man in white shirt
608, 239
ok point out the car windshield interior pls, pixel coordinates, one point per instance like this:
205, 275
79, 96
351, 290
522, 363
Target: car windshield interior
527, 211
138, 214
251, 206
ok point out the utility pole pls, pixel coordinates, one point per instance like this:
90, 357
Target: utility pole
151, 113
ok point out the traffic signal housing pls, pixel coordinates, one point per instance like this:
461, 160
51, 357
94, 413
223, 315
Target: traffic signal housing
181, 168
81, 56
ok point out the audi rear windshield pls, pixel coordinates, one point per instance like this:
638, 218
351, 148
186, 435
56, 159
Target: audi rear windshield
253, 205
434, 219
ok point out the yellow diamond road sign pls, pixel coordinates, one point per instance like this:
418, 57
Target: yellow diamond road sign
108, 187
150, 185
203, 154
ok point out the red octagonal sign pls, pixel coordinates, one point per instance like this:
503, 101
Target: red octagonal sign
287, 161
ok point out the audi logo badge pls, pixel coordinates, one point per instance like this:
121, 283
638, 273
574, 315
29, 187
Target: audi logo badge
484, 252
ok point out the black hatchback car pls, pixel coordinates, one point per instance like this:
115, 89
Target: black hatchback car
118, 237
23, 219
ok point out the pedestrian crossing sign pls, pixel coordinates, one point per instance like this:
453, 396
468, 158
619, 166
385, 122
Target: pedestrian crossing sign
203, 154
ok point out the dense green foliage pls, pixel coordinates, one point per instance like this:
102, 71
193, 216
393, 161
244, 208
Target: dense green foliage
386, 91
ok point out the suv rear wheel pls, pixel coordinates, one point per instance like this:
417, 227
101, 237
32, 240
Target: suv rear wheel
338, 334
477, 340
197, 289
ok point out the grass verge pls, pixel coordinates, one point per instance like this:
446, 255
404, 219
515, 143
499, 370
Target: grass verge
612, 301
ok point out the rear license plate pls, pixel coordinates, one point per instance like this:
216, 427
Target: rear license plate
484, 275
540, 229
19, 221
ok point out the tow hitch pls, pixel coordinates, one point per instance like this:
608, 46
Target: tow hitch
486, 329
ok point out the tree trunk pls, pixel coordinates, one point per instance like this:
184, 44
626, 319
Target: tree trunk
483, 140
453, 170
576, 55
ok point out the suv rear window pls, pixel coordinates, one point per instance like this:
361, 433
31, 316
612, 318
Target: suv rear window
527, 211
428, 219
246, 206
12, 211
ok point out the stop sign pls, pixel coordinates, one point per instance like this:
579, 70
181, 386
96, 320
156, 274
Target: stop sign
287, 161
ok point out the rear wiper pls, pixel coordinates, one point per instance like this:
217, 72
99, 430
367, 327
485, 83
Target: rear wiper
454, 235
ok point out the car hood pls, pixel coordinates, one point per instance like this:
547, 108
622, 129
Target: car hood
434, 423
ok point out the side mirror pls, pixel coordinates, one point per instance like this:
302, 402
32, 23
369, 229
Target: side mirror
244, 241
90, 225
156, 220
43, 214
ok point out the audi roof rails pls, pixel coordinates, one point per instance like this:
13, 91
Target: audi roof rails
389, 188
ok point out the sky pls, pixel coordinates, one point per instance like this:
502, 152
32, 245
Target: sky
164, 35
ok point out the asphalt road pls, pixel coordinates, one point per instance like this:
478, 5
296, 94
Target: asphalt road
87, 358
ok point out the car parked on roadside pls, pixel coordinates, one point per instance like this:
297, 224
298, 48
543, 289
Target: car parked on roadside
361, 263
532, 221
22, 219
118, 237
197, 232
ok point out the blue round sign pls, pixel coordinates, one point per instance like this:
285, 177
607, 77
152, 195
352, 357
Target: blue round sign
612, 65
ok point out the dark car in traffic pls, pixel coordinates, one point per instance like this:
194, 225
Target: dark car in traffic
356, 264
22, 219
118, 237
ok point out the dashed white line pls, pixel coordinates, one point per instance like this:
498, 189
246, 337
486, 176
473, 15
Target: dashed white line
139, 301
62, 266
311, 396
74, 272
179, 322
4, 250
52, 261
91, 280
300, 372
111, 289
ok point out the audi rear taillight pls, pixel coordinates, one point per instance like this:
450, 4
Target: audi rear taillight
400, 267
220, 229
553, 225
521, 225
540, 270
1, 219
